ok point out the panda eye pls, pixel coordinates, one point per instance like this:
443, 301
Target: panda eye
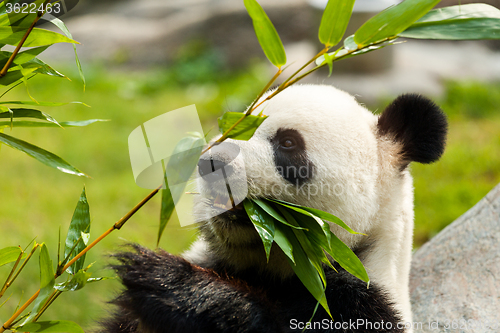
288, 143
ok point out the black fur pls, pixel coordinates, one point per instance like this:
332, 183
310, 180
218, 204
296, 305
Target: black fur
292, 163
418, 125
165, 293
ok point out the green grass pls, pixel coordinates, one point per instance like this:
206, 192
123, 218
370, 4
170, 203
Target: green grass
36, 200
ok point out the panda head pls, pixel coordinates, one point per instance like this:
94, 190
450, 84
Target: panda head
319, 148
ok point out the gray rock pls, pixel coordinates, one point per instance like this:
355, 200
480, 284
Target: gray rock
455, 277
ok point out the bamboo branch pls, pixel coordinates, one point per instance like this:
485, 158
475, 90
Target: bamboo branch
118, 224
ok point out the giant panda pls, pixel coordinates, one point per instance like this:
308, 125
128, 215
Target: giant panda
353, 164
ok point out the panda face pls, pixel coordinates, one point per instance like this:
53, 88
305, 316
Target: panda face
317, 148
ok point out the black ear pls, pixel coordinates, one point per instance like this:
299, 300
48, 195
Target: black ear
417, 125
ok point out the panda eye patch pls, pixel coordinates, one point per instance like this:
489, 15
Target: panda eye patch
290, 156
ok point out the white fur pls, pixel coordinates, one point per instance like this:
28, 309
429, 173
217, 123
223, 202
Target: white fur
356, 178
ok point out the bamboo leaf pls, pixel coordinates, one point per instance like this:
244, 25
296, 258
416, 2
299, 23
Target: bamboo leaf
314, 253
303, 268
44, 124
51, 326
271, 211
60, 24
40, 154
47, 282
21, 57
29, 113
79, 231
77, 282
244, 130
347, 259
97, 279
334, 21
166, 210
37, 37
264, 224
266, 33
284, 243
9, 254
392, 21
180, 168
319, 213
472, 21
16, 74
340, 252
39, 103
43, 68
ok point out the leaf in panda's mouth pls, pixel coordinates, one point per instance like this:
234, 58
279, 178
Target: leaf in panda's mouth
304, 237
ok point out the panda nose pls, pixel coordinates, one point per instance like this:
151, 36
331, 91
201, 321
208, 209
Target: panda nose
212, 170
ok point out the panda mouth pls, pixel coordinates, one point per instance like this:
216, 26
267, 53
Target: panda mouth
225, 203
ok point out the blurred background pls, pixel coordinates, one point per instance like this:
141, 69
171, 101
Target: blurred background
142, 58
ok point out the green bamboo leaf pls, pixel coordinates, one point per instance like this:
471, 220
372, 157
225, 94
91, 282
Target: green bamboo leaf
303, 268
392, 21
97, 279
60, 24
21, 57
314, 253
37, 37
264, 224
266, 33
44, 124
315, 235
40, 154
325, 227
77, 282
166, 211
9, 254
29, 113
242, 131
334, 21
180, 168
284, 243
43, 68
340, 252
79, 231
35, 66
47, 282
51, 326
39, 103
472, 21
319, 213
15, 74
269, 209
329, 60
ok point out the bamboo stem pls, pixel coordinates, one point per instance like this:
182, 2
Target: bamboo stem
115, 226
